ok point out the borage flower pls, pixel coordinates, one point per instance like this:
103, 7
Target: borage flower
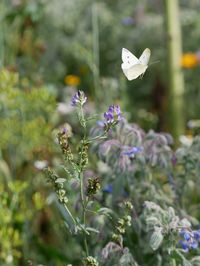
127, 21
131, 151
190, 240
78, 99
108, 188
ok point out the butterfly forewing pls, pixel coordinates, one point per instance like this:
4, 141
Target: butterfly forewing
128, 58
145, 56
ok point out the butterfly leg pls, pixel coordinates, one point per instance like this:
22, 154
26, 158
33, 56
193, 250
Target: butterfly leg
141, 76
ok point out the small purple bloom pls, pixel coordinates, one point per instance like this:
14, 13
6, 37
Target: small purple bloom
186, 234
174, 160
64, 130
127, 21
184, 245
113, 114
191, 239
197, 234
108, 188
79, 98
194, 244
132, 151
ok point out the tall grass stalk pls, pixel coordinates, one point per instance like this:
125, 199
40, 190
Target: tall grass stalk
2, 33
95, 36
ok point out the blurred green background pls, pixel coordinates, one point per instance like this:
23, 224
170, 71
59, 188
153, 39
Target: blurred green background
50, 48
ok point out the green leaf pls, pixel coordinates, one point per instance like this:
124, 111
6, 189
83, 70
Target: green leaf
91, 229
156, 239
187, 263
105, 211
60, 180
70, 221
196, 261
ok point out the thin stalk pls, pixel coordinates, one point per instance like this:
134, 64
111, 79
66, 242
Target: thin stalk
2, 34
95, 35
69, 213
83, 211
173, 262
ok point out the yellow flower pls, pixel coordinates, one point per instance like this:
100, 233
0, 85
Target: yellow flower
189, 60
72, 80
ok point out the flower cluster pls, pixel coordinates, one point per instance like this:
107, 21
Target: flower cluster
93, 186
72, 80
123, 223
90, 261
113, 115
79, 99
63, 142
58, 184
190, 60
190, 239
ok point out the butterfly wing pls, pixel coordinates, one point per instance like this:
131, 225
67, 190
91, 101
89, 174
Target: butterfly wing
145, 56
128, 58
134, 71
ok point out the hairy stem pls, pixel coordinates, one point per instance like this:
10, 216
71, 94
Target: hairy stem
83, 202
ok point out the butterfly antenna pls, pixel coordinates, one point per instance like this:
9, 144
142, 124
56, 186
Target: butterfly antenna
155, 62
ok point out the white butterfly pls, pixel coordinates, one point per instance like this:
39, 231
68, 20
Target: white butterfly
132, 66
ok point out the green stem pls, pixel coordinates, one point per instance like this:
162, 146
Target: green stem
176, 82
2, 34
69, 213
83, 211
95, 33
173, 262
100, 137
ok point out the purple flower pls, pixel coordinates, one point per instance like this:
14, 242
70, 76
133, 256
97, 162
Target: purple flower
194, 244
113, 115
78, 99
191, 239
184, 245
186, 234
127, 21
197, 234
132, 151
108, 188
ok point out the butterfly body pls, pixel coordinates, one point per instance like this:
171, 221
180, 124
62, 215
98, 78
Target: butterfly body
132, 66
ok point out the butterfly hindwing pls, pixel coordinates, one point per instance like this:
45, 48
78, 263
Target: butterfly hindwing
133, 72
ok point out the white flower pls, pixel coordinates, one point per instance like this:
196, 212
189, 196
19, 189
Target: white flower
40, 164
64, 108
186, 141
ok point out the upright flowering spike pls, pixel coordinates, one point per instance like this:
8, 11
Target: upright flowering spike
113, 115
79, 99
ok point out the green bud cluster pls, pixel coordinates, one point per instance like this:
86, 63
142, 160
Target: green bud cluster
63, 141
59, 186
90, 261
128, 205
93, 186
122, 223
83, 152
